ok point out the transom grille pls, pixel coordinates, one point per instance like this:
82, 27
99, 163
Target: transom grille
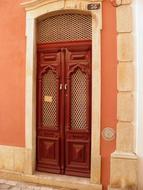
49, 99
65, 27
79, 98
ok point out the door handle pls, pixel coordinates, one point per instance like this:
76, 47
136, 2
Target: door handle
66, 86
61, 86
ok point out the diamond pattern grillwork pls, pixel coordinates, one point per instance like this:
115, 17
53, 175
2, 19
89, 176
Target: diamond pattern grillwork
65, 27
49, 109
79, 93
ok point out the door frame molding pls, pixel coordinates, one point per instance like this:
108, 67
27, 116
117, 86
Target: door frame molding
35, 9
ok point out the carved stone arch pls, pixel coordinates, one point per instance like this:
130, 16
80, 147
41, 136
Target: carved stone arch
37, 9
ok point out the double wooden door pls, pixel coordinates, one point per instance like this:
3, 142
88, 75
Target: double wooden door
64, 108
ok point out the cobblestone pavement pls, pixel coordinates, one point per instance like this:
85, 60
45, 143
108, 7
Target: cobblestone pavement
14, 185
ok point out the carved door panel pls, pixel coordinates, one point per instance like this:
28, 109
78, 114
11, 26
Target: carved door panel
78, 97
48, 125
63, 108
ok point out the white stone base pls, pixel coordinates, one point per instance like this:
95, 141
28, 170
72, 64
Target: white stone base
123, 171
54, 180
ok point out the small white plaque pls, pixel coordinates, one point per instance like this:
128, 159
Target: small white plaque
48, 99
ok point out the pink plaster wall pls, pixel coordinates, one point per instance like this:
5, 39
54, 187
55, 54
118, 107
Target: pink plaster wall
12, 73
109, 86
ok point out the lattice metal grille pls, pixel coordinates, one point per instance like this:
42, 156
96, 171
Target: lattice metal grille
49, 107
79, 101
65, 27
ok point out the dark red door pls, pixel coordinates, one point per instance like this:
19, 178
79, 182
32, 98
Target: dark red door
64, 108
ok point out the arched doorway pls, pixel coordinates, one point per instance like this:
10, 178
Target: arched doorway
64, 93
34, 10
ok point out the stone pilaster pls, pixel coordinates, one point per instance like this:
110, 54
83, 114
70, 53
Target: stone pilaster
123, 160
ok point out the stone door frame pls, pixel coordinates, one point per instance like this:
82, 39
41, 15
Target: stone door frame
35, 9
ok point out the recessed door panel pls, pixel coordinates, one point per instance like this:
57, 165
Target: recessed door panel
48, 115
63, 108
78, 93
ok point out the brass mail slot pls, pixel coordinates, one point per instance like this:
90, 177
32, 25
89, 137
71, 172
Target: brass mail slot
48, 99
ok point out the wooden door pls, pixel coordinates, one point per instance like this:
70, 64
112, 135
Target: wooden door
64, 108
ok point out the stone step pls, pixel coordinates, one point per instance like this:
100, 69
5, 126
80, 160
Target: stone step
15, 185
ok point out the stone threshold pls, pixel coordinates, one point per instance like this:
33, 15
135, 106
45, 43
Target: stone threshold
53, 180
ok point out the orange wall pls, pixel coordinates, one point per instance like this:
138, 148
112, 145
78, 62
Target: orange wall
12, 73
12, 77
109, 82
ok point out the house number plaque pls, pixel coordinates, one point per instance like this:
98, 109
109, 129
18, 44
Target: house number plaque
48, 99
93, 6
